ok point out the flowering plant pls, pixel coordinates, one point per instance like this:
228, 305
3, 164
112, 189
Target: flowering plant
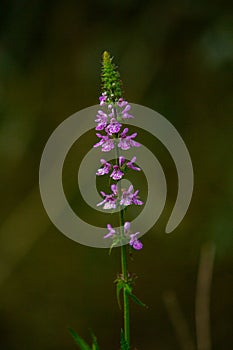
114, 110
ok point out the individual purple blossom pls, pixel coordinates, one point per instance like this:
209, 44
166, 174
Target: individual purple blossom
102, 120
109, 201
111, 232
131, 165
128, 197
135, 199
105, 169
126, 140
117, 174
134, 241
121, 160
114, 127
103, 99
127, 228
106, 143
125, 114
121, 103
114, 189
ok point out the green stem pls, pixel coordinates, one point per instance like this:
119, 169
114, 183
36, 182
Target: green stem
125, 277
123, 260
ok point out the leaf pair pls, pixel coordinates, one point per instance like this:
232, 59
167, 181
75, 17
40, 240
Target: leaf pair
122, 285
81, 342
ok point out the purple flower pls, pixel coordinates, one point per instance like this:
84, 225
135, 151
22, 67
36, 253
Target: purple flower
114, 127
125, 114
103, 139
131, 165
127, 228
135, 199
121, 160
134, 241
128, 197
126, 141
109, 201
111, 232
114, 189
106, 168
117, 174
106, 143
101, 119
121, 103
107, 146
103, 99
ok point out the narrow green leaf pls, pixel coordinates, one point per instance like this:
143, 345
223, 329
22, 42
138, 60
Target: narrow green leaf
95, 345
124, 343
137, 301
119, 287
112, 246
79, 341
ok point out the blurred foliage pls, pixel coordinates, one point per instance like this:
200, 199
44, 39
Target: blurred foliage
174, 57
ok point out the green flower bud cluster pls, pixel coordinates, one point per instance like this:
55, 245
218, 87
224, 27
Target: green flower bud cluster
111, 83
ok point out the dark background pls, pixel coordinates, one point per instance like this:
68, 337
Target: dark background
174, 57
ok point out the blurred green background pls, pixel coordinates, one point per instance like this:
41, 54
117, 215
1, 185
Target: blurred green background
174, 57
